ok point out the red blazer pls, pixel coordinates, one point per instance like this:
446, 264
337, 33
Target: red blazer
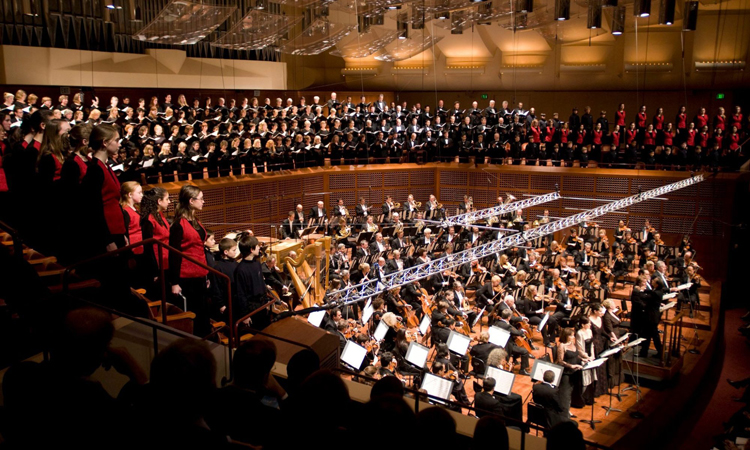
564, 135
620, 118
720, 123
111, 199
668, 136
81, 165
641, 119
737, 121
681, 120
550, 134
134, 228
630, 136
597, 139
192, 245
615, 139
658, 122
161, 233
535, 135
580, 137
703, 140
734, 141
701, 121
691, 137
649, 138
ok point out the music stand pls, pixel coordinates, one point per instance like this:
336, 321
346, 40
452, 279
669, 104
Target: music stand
592, 365
417, 355
498, 336
458, 343
607, 354
353, 355
636, 387
504, 379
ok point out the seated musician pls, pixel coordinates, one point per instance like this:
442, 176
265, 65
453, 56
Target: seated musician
486, 296
463, 309
475, 236
489, 401
319, 214
439, 370
273, 275
340, 210
504, 268
531, 306
548, 396
370, 225
563, 301
586, 258
451, 237
567, 269
511, 347
442, 280
379, 245
518, 281
395, 263
412, 296
464, 206
363, 339
620, 264
363, 250
509, 303
387, 365
433, 211
453, 363
591, 286
378, 269
553, 252
481, 352
441, 323
331, 320
362, 275
399, 242
299, 214
573, 243
388, 208
422, 257
681, 263
290, 228
410, 208
690, 295
339, 260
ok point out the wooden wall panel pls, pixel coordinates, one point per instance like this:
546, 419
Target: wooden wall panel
265, 199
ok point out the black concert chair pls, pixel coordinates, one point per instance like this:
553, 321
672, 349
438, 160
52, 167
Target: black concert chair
478, 367
536, 415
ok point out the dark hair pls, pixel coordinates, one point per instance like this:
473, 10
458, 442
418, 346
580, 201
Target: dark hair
548, 376
247, 243
489, 384
490, 431
183, 209
150, 205
253, 361
226, 244
565, 334
78, 134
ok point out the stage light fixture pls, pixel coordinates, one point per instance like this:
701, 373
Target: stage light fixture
666, 12
642, 8
690, 16
562, 10
618, 21
595, 15
527, 6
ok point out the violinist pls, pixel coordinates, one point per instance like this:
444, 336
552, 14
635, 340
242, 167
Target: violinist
685, 261
587, 257
515, 282
574, 243
620, 231
452, 364
439, 369
342, 326
530, 305
365, 341
602, 242
441, 323
505, 269
387, 365
486, 296
647, 232
511, 347
592, 285
657, 239
553, 252
691, 294
620, 264
399, 352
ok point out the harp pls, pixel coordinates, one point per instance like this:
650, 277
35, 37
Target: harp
309, 272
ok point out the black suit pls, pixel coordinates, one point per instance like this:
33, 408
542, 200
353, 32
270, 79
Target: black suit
487, 404
290, 231
651, 319
484, 295
549, 398
511, 347
314, 213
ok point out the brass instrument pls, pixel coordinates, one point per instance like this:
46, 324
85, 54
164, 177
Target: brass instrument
343, 233
396, 205
509, 198
418, 205
419, 225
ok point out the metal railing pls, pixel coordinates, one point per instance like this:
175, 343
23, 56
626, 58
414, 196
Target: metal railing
161, 247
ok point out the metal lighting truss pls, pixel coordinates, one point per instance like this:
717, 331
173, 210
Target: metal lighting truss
471, 217
371, 288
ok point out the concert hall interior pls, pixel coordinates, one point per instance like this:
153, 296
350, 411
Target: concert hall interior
477, 223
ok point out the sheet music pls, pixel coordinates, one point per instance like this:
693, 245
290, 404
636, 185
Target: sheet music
417, 354
684, 286
316, 317
148, 163
537, 372
668, 296
119, 167
622, 339
504, 380
380, 331
498, 336
594, 364
366, 313
436, 386
541, 325
610, 352
667, 306
424, 325
458, 343
635, 342
353, 355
